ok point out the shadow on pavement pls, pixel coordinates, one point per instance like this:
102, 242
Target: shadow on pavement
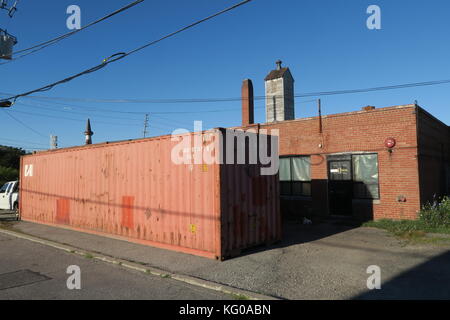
8, 216
295, 233
430, 280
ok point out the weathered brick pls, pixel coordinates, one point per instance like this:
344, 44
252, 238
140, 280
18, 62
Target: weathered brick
416, 169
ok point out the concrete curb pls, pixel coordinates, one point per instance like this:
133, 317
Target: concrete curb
233, 292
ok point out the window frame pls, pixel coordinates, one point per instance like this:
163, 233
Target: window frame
354, 182
293, 182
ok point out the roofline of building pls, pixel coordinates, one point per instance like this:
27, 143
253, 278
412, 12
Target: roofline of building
344, 114
121, 142
433, 117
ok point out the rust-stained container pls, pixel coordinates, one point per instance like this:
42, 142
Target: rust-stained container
135, 191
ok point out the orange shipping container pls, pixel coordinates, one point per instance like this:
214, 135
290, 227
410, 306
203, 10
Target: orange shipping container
133, 190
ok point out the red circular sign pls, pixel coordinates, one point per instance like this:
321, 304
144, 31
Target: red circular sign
390, 143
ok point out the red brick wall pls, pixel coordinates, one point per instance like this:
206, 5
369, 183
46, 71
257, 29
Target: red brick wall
364, 131
434, 156
248, 107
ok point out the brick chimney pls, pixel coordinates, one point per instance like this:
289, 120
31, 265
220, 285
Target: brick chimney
248, 112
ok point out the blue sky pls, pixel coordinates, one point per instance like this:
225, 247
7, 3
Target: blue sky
325, 43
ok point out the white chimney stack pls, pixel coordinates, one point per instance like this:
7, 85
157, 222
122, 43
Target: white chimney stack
280, 105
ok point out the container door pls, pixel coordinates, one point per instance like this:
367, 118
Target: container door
340, 187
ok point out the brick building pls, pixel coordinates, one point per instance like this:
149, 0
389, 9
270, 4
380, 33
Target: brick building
370, 164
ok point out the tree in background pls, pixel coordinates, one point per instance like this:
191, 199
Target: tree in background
10, 163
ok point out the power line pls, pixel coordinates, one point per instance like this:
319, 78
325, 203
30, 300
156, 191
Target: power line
119, 56
24, 148
72, 112
235, 99
164, 121
53, 41
22, 141
169, 121
24, 125
81, 120
66, 118
151, 101
95, 109
384, 88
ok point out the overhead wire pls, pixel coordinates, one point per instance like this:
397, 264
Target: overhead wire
73, 112
53, 41
24, 147
24, 124
22, 141
235, 99
79, 120
121, 55
222, 109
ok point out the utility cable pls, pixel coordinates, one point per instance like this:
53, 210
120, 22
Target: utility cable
53, 41
22, 141
24, 125
79, 120
119, 56
235, 99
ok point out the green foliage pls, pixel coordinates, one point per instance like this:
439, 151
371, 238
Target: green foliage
433, 218
436, 214
10, 157
8, 174
9, 163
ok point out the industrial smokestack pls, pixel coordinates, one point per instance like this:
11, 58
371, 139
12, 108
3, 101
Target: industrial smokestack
248, 111
88, 133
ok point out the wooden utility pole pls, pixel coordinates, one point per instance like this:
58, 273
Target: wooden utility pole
53, 142
146, 125
319, 103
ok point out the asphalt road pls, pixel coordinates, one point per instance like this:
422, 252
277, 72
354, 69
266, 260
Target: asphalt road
326, 261
33, 271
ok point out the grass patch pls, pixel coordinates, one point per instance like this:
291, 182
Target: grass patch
237, 296
88, 256
399, 227
413, 231
165, 276
433, 218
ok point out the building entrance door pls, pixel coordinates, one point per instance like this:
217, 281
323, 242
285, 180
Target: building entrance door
340, 187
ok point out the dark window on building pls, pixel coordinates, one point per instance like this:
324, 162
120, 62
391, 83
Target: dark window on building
295, 176
365, 176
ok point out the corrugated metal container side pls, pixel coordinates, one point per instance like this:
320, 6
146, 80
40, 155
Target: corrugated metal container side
250, 205
132, 190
